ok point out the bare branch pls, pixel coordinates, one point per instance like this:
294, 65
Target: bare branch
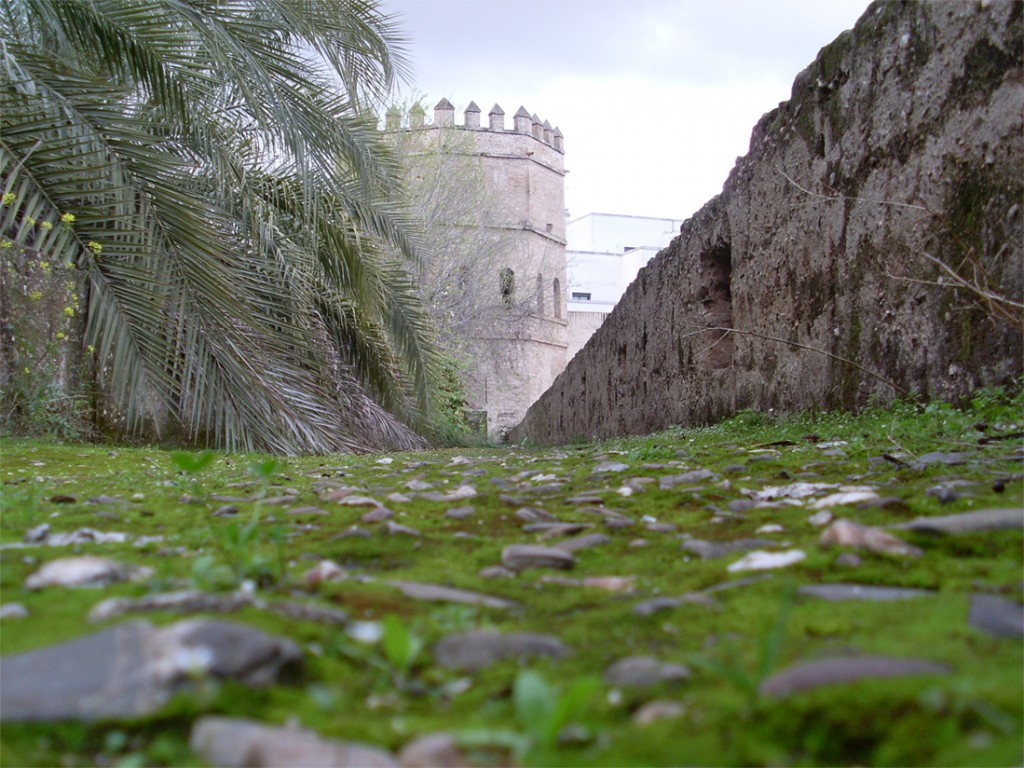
873, 374
838, 196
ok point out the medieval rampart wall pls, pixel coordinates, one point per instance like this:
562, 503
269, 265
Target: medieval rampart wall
902, 144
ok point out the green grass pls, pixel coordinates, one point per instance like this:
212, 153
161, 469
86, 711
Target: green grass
386, 696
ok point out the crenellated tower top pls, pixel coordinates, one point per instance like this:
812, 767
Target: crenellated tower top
523, 122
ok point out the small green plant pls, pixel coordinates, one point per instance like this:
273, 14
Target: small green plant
769, 653
241, 555
400, 648
192, 465
542, 713
401, 645
264, 471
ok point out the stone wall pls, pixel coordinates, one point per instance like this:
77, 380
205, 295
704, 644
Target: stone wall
902, 141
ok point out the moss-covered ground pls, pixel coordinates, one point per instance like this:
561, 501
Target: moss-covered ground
358, 691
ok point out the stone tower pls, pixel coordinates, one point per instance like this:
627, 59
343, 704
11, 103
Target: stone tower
524, 176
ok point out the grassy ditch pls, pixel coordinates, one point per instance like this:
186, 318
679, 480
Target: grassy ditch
732, 630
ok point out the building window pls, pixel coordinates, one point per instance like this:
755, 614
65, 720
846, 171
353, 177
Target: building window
507, 285
556, 290
580, 296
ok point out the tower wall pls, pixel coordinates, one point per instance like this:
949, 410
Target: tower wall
524, 174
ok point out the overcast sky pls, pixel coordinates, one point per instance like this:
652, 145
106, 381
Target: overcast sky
656, 98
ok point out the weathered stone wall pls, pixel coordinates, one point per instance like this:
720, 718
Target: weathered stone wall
903, 140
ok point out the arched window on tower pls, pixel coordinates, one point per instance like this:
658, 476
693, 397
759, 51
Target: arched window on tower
556, 290
507, 285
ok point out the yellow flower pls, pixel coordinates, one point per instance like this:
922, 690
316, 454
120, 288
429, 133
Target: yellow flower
60, 335
28, 370
8, 198
46, 224
68, 218
6, 244
36, 295
69, 311
45, 266
90, 349
96, 247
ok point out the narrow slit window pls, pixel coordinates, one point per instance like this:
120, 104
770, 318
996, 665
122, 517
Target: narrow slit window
507, 285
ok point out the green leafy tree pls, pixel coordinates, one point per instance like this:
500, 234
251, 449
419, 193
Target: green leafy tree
206, 175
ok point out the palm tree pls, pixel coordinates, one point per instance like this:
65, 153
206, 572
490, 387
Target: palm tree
233, 225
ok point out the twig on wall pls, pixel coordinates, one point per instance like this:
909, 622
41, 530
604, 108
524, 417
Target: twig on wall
873, 374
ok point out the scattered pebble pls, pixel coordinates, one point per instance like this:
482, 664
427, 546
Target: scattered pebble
378, 515
845, 533
325, 570
519, 557
85, 571
824, 517
969, 522
815, 674
473, 651
997, 616
437, 593
240, 743
760, 560
13, 611
659, 709
870, 592
432, 750
643, 672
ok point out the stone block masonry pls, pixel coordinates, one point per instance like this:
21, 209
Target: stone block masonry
901, 146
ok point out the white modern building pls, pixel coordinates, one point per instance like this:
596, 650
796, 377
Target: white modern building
604, 253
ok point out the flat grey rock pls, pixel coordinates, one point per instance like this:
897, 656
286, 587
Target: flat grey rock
519, 557
686, 478
609, 466
473, 651
815, 674
997, 616
240, 743
85, 571
659, 709
307, 511
132, 669
840, 592
13, 611
643, 672
545, 489
437, 593
550, 530
42, 535
534, 515
968, 522
846, 533
377, 515
711, 550
187, 601
396, 529
433, 750
938, 457
656, 605
578, 543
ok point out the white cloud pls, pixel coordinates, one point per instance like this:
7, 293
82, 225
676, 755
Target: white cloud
656, 98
